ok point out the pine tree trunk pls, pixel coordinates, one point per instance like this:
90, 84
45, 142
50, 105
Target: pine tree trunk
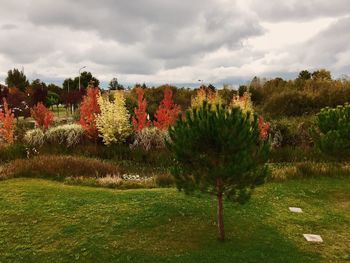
221, 229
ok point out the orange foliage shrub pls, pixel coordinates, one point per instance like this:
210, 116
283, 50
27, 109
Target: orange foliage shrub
89, 108
167, 112
42, 116
140, 121
6, 123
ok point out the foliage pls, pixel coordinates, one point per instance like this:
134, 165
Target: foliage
113, 121
6, 124
140, 120
42, 116
289, 103
150, 139
220, 152
167, 112
16, 78
58, 167
12, 151
205, 95
34, 138
114, 85
332, 129
243, 102
86, 79
68, 135
89, 108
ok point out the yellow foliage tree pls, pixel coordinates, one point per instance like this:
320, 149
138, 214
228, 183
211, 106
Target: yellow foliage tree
113, 121
203, 95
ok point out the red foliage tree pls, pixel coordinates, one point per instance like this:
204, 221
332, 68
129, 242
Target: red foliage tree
6, 123
88, 110
264, 128
140, 121
167, 112
42, 116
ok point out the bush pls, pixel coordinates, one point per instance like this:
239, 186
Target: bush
34, 138
165, 180
59, 167
332, 129
68, 135
12, 151
150, 139
289, 103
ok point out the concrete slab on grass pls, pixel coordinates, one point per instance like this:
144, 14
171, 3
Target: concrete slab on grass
295, 209
313, 238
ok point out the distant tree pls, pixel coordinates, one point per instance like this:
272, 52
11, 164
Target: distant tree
322, 74
242, 89
16, 78
139, 120
68, 85
86, 79
114, 85
89, 108
37, 92
42, 116
167, 112
218, 152
18, 102
52, 99
304, 75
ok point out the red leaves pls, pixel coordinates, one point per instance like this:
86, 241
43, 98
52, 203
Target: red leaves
7, 123
42, 116
88, 110
140, 121
167, 112
264, 128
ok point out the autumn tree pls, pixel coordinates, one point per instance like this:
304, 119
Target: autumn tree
89, 108
6, 123
113, 120
167, 112
42, 116
218, 152
140, 120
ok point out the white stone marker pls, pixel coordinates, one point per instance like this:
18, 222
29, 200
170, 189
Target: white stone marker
295, 209
313, 238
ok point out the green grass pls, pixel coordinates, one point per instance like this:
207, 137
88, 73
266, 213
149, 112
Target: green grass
46, 221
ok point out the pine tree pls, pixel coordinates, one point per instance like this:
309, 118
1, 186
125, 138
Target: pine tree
218, 151
113, 121
140, 119
167, 112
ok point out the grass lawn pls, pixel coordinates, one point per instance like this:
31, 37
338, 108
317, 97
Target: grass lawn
46, 221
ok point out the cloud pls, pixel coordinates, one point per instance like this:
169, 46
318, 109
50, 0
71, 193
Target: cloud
160, 41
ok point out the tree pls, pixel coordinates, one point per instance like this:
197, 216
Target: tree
322, 74
167, 112
16, 78
18, 102
89, 108
140, 120
86, 79
6, 124
304, 75
114, 85
42, 116
37, 92
219, 152
113, 121
52, 99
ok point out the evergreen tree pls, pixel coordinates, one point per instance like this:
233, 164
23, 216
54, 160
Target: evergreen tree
218, 151
16, 78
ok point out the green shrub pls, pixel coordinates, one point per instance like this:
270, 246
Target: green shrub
12, 151
34, 138
165, 180
68, 135
332, 129
59, 167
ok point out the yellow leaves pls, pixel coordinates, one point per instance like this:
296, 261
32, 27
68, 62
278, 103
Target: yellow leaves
113, 121
203, 95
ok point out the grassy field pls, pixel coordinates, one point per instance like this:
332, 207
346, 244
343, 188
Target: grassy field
46, 221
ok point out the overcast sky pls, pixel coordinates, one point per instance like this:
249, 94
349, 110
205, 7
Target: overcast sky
172, 41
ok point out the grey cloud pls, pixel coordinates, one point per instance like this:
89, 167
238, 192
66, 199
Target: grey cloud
291, 10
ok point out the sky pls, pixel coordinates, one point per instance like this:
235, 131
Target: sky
174, 42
